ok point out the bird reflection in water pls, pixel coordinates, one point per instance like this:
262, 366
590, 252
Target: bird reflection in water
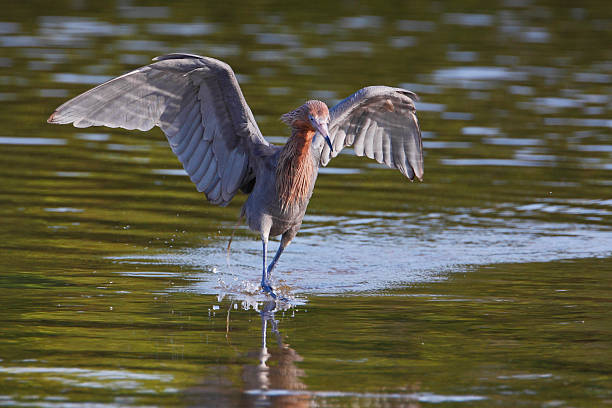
276, 372
270, 379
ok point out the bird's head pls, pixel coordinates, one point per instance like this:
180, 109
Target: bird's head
313, 115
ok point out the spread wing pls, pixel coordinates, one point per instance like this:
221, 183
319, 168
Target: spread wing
198, 104
379, 122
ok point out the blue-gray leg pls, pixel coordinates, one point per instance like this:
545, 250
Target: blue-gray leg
267, 272
285, 241
265, 277
280, 250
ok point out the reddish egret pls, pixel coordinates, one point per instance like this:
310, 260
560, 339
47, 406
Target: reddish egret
198, 104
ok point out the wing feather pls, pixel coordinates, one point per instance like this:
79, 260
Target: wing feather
185, 137
362, 130
194, 140
377, 145
340, 139
208, 180
197, 103
233, 173
176, 139
193, 163
368, 142
214, 195
204, 163
379, 122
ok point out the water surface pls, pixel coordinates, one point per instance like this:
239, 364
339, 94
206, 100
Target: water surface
486, 285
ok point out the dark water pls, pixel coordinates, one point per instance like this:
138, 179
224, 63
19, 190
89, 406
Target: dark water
488, 284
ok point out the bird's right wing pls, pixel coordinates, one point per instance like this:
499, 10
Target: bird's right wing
379, 122
198, 104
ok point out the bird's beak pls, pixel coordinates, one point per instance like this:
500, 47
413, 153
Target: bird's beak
324, 131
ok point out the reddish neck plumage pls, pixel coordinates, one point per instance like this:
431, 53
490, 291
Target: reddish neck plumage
295, 168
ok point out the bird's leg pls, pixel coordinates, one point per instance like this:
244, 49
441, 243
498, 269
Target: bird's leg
285, 241
265, 279
280, 250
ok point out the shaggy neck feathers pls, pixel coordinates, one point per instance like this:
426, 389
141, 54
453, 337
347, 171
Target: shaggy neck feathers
296, 168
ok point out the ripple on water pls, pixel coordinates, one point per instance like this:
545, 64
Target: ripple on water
288, 40
42, 141
457, 116
19, 41
528, 155
72, 174
82, 372
468, 19
492, 162
70, 78
578, 122
482, 73
379, 397
88, 378
93, 137
9, 27
430, 107
403, 41
415, 25
594, 148
182, 29
64, 210
562, 209
370, 252
139, 45
512, 141
480, 131
170, 172
126, 148
142, 12
53, 93
462, 56
430, 144
360, 22
359, 47
81, 26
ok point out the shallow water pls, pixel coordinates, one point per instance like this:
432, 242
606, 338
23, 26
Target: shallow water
488, 284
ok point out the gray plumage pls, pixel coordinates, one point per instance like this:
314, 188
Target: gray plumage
199, 106
380, 122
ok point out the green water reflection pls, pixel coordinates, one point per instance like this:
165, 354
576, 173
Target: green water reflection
539, 336
486, 285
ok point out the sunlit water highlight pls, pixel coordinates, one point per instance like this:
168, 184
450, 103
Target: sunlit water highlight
344, 255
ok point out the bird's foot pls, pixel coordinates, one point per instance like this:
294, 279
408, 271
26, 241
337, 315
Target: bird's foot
266, 288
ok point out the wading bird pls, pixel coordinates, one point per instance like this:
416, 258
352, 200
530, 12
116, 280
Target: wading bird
198, 104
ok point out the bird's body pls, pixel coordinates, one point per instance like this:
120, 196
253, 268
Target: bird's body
266, 210
198, 104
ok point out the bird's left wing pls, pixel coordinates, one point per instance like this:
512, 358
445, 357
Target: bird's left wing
198, 104
379, 122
